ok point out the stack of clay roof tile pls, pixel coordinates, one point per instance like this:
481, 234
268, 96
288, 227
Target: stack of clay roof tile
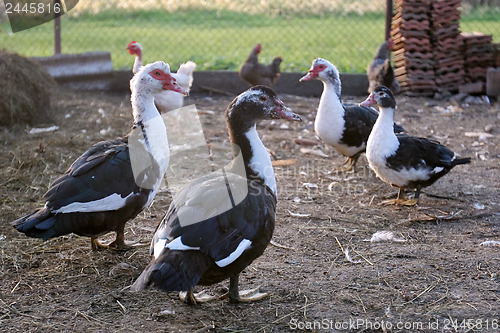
478, 53
446, 44
413, 55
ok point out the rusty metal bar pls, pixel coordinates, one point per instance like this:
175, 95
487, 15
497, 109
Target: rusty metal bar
388, 19
57, 28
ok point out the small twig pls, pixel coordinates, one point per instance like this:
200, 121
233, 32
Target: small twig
78, 312
431, 310
359, 254
371, 201
445, 217
283, 317
362, 304
16, 311
472, 306
205, 329
278, 245
452, 323
6, 182
124, 309
426, 290
305, 307
15, 287
288, 162
453, 216
348, 256
340, 245
439, 300
441, 196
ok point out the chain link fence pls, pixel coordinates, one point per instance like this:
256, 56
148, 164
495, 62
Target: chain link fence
219, 34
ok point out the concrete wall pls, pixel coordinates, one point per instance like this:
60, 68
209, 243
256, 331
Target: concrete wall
94, 71
83, 71
229, 83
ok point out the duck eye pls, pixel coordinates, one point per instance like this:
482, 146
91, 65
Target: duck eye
262, 98
157, 72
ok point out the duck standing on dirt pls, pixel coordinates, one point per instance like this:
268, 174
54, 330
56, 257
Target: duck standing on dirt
218, 224
346, 127
101, 191
404, 161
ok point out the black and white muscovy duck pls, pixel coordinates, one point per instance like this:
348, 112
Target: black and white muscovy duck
114, 180
346, 127
166, 100
380, 71
218, 224
404, 161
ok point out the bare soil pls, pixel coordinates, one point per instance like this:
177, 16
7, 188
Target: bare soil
322, 273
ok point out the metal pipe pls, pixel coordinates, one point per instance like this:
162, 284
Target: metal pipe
388, 19
57, 27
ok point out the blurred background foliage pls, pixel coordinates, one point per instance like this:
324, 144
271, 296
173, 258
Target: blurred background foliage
219, 34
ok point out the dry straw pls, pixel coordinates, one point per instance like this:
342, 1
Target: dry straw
26, 89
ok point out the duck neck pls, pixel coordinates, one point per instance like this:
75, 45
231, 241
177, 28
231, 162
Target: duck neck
246, 141
382, 141
383, 52
143, 105
385, 121
330, 98
152, 133
137, 62
329, 123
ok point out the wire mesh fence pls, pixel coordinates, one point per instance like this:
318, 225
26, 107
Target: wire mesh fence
219, 34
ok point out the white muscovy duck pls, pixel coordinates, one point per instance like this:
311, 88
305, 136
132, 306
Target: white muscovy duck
101, 190
404, 161
166, 100
380, 71
230, 225
345, 127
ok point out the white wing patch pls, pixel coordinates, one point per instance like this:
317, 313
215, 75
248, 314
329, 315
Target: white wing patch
244, 244
159, 247
178, 245
437, 169
111, 202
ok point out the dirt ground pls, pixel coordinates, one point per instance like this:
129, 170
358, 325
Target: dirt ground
322, 272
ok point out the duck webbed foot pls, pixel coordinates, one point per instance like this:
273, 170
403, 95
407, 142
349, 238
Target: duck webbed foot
192, 298
118, 244
402, 200
348, 165
234, 294
250, 295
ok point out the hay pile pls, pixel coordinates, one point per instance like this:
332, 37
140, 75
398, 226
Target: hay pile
26, 90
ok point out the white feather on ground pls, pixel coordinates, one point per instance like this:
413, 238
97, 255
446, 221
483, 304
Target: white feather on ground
384, 236
490, 243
